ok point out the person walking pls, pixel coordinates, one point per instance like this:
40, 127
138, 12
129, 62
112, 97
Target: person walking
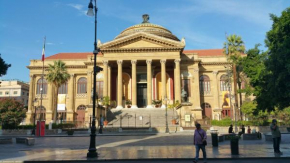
276, 135
101, 124
199, 140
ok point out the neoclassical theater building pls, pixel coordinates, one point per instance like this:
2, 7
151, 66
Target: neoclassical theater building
145, 62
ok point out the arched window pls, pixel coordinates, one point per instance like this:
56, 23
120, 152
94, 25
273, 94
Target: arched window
41, 113
204, 84
63, 89
39, 84
82, 85
224, 83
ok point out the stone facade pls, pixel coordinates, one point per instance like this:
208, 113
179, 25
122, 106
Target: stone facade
146, 62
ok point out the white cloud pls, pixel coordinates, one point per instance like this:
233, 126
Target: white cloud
76, 6
79, 7
50, 43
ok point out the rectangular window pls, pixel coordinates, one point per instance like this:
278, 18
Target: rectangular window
62, 89
15, 92
141, 77
186, 86
100, 85
7, 93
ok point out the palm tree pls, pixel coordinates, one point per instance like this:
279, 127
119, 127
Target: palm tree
57, 75
233, 49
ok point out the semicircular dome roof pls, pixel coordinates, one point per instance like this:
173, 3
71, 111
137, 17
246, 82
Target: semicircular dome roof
148, 27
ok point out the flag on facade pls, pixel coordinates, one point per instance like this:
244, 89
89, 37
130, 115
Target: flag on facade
43, 50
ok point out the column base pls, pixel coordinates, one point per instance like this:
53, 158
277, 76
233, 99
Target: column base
48, 117
134, 107
149, 107
70, 117
119, 107
163, 106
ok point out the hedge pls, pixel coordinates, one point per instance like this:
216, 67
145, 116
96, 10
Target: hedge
228, 122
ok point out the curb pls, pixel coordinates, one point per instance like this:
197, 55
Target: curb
143, 159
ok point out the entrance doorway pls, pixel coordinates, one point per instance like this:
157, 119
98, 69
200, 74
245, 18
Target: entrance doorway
141, 95
80, 119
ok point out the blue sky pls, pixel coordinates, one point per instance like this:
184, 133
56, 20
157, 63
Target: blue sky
203, 23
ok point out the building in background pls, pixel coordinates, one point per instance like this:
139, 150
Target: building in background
15, 89
144, 63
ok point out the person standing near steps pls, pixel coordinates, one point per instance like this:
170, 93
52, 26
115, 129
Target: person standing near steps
276, 135
198, 139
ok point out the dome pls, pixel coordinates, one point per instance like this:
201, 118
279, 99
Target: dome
148, 27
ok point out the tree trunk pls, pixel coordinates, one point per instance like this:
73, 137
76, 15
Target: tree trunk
241, 102
235, 89
55, 103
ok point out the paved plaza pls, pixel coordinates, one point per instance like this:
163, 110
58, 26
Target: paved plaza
139, 147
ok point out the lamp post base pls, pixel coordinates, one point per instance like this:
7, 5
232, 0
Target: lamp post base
167, 130
92, 154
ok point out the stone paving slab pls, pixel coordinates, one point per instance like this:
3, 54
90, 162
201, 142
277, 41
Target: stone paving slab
135, 147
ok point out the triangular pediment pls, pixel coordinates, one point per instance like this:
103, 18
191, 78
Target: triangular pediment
141, 40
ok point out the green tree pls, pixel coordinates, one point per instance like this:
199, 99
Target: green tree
233, 49
12, 112
278, 64
255, 69
3, 66
249, 108
57, 75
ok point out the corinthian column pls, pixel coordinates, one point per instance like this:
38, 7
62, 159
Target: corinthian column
134, 85
30, 100
163, 80
216, 90
120, 85
177, 80
149, 83
105, 88
71, 97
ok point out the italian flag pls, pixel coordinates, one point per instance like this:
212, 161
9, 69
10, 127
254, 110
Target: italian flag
43, 50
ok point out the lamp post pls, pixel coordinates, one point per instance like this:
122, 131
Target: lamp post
92, 149
166, 122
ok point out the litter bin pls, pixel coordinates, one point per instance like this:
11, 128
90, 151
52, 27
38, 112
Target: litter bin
214, 138
235, 145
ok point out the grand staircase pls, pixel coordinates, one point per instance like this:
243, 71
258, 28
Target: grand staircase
140, 118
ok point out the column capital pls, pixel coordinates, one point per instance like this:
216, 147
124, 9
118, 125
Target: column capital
119, 62
32, 76
88, 73
177, 60
163, 61
105, 62
72, 75
215, 72
149, 61
134, 61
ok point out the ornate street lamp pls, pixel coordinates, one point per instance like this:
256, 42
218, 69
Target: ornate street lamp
92, 149
166, 100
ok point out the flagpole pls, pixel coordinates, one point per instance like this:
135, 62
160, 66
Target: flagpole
41, 91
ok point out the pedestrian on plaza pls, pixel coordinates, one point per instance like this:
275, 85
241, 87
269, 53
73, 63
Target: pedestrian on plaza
276, 135
101, 124
249, 129
243, 129
231, 129
199, 140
